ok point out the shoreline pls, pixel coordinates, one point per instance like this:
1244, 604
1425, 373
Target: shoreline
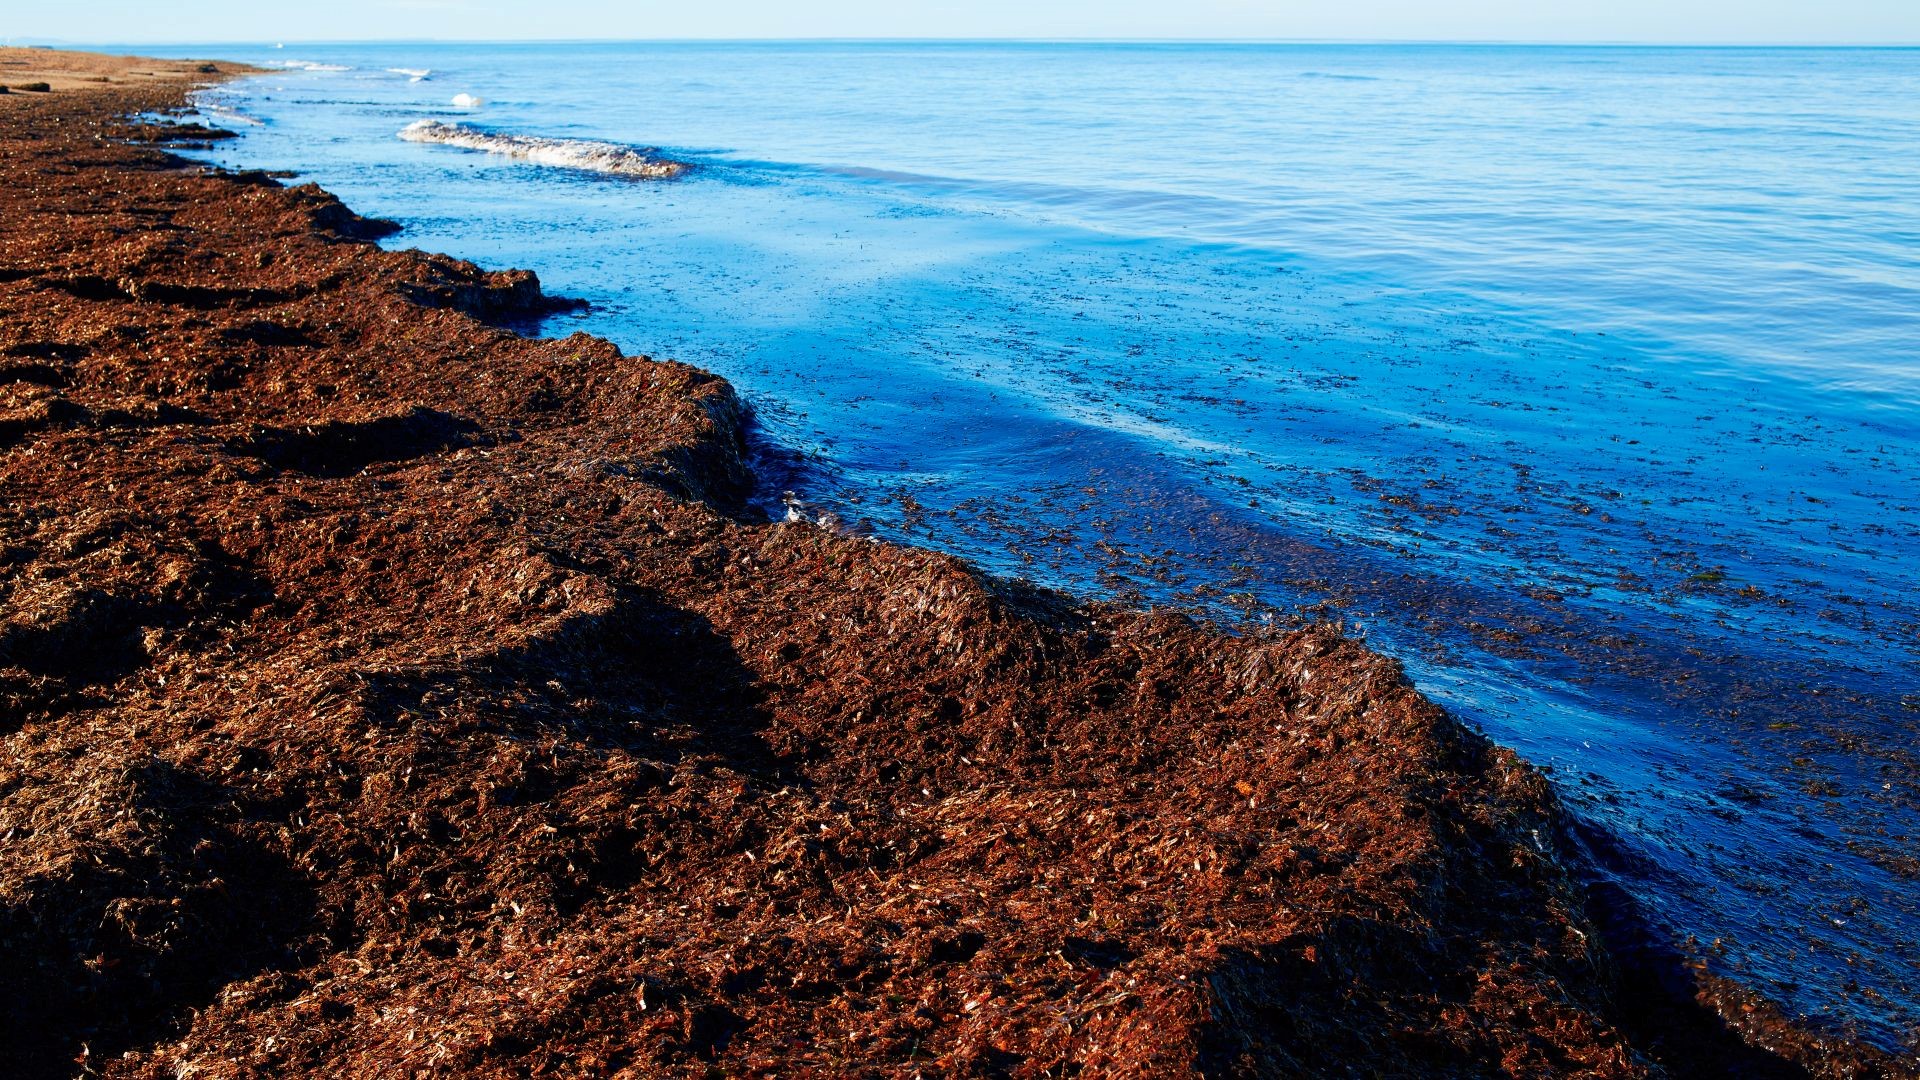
442, 679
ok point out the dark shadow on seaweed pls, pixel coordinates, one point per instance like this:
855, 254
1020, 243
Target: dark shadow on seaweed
644, 676
1311, 1005
499, 298
268, 332
544, 322
115, 952
1379, 991
340, 448
654, 681
92, 637
45, 375
49, 350
1655, 987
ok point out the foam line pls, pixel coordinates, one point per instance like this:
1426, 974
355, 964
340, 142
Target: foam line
598, 157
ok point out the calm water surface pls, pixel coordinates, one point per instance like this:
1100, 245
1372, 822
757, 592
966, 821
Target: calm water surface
1586, 381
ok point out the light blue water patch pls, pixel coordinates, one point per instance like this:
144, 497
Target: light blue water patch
1587, 381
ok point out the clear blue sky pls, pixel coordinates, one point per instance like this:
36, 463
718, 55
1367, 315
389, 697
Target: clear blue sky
132, 21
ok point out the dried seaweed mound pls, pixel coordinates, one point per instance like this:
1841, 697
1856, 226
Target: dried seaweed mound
385, 693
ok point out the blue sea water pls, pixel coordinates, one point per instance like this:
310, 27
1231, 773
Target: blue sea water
1584, 380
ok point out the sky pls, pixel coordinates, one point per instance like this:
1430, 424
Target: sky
1677, 21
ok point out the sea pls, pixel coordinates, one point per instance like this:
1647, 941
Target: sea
1584, 381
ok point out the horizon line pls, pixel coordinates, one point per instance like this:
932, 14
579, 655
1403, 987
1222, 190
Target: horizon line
1618, 43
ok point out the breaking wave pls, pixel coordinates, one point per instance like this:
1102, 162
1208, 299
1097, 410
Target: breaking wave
413, 74
306, 65
562, 153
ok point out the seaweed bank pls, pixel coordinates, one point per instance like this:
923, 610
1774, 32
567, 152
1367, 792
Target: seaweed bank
381, 689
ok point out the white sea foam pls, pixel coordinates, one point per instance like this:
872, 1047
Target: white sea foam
560, 153
227, 114
468, 101
414, 74
306, 65
214, 103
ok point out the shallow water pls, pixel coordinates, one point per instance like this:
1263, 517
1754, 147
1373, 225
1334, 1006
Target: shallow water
1586, 381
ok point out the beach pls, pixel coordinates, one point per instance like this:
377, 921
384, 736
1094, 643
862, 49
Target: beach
384, 690
1607, 429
